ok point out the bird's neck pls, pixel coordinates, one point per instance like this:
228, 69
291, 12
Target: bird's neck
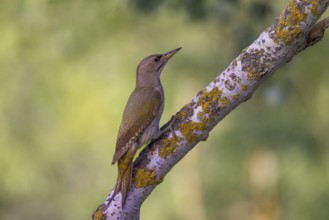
148, 80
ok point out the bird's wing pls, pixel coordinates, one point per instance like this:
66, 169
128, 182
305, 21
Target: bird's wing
143, 106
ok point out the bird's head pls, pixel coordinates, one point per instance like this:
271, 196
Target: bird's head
150, 67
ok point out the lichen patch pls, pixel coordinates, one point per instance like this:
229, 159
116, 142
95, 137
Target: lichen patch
288, 27
144, 178
189, 130
168, 146
206, 98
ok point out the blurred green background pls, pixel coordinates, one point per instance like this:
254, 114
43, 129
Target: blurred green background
68, 67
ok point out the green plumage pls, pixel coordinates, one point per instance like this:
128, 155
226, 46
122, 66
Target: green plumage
140, 120
144, 106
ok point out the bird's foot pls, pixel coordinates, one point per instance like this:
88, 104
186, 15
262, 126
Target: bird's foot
165, 128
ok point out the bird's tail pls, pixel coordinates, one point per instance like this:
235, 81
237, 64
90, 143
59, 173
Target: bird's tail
123, 183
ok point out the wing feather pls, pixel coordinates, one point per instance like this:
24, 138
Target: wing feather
143, 106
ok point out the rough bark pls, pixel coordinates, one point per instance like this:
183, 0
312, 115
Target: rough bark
293, 31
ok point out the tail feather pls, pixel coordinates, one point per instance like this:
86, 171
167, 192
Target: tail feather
125, 184
122, 185
125, 167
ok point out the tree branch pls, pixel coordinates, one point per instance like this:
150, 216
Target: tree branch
291, 32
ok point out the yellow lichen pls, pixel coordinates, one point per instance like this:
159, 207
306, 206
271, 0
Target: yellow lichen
243, 87
98, 214
251, 74
144, 178
223, 100
204, 117
235, 96
208, 97
182, 115
189, 128
168, 146
314, 7
287, 27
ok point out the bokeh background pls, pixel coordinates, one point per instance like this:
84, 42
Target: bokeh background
68, 67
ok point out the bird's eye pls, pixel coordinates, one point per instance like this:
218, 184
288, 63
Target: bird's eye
156, 59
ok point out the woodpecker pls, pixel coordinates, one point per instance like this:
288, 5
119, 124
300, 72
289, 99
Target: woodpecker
140, 120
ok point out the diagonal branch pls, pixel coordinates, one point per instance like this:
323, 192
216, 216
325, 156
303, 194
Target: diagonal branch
291, 32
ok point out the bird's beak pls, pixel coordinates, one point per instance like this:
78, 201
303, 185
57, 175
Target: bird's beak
165, 57
168, 55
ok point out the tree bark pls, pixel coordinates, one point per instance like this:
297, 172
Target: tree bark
293, 31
